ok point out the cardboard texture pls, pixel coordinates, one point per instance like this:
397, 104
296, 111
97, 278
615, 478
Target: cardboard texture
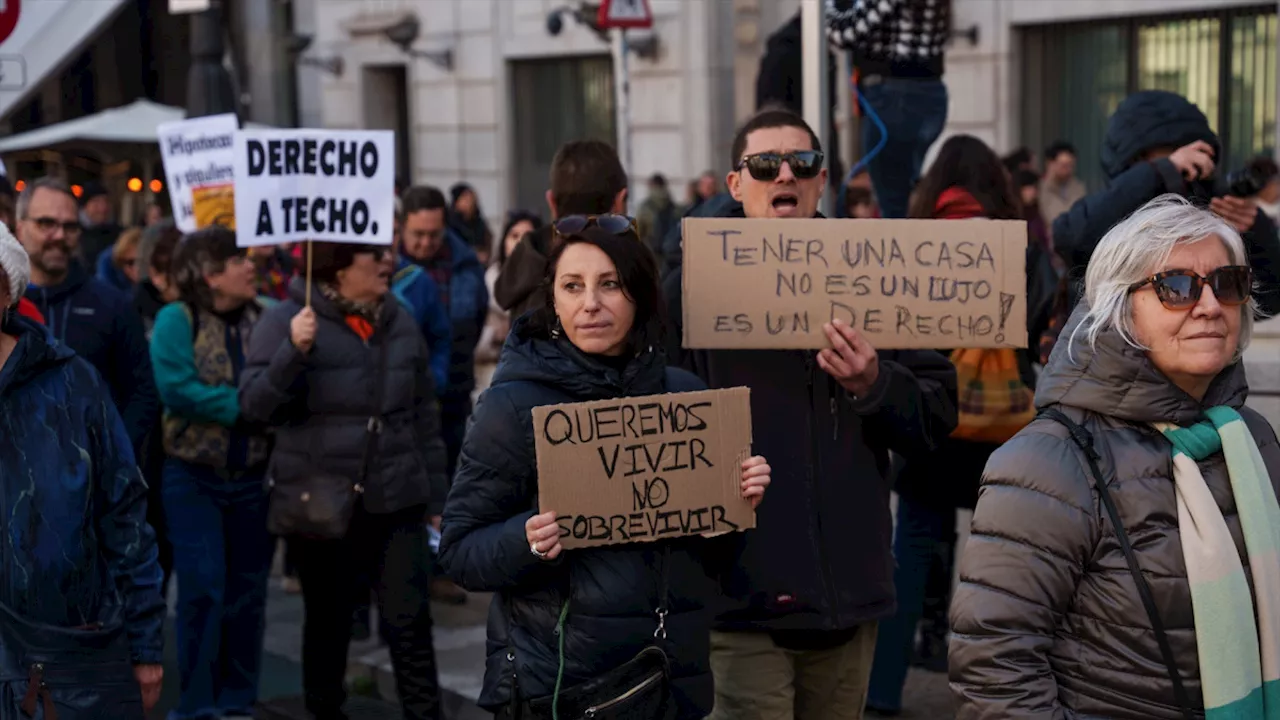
771, 284
640, 469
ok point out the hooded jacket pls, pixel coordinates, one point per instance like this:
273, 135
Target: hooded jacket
819, 558
1146, 120
100, 324
612, 591
518, 288
1046, 621
320, 402
76, 548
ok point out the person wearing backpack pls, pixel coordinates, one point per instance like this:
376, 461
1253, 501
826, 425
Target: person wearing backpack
214, 497
966, 181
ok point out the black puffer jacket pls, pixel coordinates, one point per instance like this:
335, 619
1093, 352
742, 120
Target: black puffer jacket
320, 403
1144, 121
820, 556
612, 590
1047, 619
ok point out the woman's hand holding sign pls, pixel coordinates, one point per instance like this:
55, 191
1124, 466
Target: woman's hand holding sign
755, 478
302, 330
543, 533
850, 360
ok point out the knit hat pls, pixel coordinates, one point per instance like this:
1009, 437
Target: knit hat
15, 264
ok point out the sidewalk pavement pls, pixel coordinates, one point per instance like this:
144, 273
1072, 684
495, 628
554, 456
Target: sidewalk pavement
459, 635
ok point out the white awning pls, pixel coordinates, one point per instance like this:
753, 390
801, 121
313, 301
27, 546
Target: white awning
134, 123
48, 35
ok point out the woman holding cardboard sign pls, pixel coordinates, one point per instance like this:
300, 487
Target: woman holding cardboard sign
621, 629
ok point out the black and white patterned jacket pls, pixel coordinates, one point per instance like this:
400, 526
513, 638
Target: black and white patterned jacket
897, 38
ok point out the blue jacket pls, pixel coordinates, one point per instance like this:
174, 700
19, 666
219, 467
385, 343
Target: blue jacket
75, 548
416, 290
468, 307
101, 325
107, 272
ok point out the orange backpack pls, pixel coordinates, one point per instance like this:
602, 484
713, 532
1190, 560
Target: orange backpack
993, 400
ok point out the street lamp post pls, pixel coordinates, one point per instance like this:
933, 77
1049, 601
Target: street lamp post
208, 82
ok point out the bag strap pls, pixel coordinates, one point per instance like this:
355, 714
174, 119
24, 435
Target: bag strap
664, 590
1084, 440
374, 427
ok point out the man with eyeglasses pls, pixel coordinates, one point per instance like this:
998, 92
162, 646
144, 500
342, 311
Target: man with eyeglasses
452, 264
94, 319
816, 575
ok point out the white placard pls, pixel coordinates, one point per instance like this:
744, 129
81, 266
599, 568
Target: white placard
325, 185
197, 153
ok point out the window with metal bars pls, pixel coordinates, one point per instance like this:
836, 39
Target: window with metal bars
1074, 75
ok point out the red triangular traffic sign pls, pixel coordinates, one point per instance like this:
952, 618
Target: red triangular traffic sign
624, 14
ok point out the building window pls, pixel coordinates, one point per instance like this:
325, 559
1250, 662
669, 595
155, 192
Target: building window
556, 101
1076, 74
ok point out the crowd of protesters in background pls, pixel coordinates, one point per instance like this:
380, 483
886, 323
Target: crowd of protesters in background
172, 383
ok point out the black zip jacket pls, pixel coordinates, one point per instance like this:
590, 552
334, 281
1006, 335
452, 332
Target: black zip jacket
820, 557
613, 590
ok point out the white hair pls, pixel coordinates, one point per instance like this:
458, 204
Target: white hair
1137, 248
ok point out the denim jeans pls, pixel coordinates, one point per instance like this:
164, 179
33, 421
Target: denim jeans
920, 529
913, 112
222, 558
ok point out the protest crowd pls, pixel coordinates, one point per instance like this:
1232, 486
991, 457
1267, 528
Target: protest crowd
387, 390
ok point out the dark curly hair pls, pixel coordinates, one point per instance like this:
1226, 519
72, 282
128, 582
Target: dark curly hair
201, 253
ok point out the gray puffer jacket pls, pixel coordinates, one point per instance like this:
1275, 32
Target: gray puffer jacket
1047, 620
320, 403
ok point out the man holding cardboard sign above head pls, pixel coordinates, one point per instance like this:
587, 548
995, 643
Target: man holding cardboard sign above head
816, 575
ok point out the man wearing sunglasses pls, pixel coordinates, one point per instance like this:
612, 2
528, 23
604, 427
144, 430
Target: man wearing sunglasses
94, 319
816, 574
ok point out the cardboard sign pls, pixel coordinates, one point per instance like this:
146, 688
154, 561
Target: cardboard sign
639, 469
325, 185
197, 156
772, 284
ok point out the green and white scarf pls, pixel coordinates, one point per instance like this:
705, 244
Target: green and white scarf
1239, 650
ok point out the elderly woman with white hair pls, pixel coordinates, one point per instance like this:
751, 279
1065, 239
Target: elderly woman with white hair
1124, 559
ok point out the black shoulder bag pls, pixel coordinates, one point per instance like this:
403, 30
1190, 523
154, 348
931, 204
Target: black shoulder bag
639, 689
320, 505
1084, 440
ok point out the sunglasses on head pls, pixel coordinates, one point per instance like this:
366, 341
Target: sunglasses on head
610, 223
805, 164
1181, 289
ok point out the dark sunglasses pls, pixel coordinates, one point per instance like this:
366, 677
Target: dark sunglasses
1181, 289
805, 164
610, 223
48, 225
